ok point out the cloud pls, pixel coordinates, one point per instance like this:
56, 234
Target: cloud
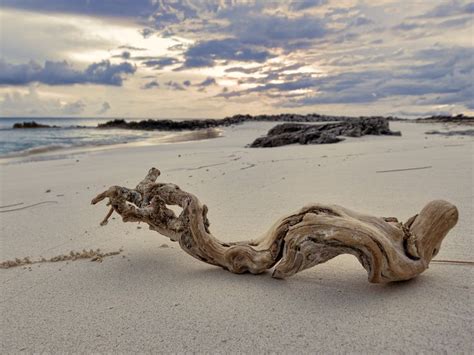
457, 22
279, 31
174, 85
151, 84
31, 103
299, 54
450, 14
123, 55
242, 70
207, 82
361, 21
74, 108
159, 63
465, 96
243, 33
132, 48
147, 32
454, 7
408, 26
134, 8
469, 8
61, 73
105, 107
443, 74
197, 62
43, 36
299, 5
205, 53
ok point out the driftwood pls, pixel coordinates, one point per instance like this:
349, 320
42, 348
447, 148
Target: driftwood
386, 248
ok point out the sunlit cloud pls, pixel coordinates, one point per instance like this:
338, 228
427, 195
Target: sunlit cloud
61, 73
209, 59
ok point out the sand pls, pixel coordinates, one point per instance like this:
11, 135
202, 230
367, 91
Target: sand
155, 298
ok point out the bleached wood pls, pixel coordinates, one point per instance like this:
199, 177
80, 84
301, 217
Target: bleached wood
386, 248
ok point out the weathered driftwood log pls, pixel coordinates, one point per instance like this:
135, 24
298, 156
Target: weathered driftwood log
386, 248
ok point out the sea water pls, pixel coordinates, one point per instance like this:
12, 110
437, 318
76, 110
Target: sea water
72, 133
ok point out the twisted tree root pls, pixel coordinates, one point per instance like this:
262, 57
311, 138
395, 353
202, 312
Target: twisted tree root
386, 248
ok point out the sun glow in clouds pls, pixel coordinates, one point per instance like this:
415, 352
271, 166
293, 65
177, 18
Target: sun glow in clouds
186, 58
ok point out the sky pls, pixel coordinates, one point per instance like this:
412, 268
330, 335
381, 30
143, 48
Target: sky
211, 59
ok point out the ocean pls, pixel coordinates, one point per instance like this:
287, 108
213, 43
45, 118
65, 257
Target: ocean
72, 133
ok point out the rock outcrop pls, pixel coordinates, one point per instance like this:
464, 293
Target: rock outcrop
467, 132
292, 133
169, 125
32, 124
459, 119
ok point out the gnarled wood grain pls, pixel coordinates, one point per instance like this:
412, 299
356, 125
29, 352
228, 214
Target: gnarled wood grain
386, 248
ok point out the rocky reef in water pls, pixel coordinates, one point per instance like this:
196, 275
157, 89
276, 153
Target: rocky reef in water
170, 125
32, 124
467, 132
459, 119
294, 130
298, 133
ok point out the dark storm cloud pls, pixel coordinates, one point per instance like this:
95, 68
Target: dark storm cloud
61, 73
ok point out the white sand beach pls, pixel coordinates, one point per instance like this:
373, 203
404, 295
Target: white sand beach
153, 297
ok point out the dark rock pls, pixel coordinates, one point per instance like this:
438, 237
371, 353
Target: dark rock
291, 133
467, 132
286, 128
460, 119
355, 131
32, 124
169, 125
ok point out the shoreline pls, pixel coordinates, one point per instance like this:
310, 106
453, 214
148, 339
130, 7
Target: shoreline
52, 151
195, 130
